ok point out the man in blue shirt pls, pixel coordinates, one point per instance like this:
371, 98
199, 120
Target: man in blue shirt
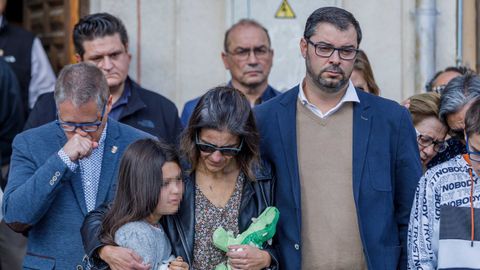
248, 56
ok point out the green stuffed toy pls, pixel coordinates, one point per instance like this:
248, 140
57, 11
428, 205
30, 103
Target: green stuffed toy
261, 230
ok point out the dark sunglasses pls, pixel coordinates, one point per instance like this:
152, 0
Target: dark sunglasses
210, 148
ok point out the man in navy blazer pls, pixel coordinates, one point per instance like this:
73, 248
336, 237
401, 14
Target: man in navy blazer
347, 162
62, 170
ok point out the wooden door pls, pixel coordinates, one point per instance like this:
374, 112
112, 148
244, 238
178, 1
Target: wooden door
53, 21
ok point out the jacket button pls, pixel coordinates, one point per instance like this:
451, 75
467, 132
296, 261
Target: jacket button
79, 267
297, 246
52, 182
57, 173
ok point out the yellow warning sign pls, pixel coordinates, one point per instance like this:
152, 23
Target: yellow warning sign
285, 11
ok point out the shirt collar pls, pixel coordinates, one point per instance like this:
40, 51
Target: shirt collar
124, 97
349, 96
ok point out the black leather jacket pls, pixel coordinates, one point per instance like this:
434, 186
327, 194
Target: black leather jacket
256, 196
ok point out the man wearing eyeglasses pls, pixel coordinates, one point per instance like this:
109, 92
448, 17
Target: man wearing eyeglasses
101, 39
346, 161
444, 222
64, 169
248, 56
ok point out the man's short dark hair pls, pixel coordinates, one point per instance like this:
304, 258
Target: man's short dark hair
338, 17
472, 119
97, 25
244, 22
462, 70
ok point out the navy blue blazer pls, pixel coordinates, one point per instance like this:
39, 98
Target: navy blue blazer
386, 169
46, 198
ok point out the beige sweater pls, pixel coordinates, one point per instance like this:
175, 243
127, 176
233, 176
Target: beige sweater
330, 234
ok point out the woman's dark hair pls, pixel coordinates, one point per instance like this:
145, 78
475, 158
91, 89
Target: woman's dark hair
223, 109
139, 185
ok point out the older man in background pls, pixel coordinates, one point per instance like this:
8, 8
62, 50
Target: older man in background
248, 55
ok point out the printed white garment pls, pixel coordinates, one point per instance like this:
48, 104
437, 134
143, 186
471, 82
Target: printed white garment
440, 230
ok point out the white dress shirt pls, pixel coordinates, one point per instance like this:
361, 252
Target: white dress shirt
349, 96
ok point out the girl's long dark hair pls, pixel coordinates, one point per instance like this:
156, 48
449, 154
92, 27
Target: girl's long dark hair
139, 185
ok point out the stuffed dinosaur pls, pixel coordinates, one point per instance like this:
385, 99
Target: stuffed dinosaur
261, 230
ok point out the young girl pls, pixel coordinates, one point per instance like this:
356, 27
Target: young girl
149, 186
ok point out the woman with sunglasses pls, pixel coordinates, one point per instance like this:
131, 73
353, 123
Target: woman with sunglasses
226, 184
430, 130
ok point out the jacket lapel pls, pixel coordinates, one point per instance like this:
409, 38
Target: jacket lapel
111, 154
362, 123
186, 214
286, 118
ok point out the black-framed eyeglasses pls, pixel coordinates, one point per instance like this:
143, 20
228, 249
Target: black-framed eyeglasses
326, 50
210, 148
86, 127
425, 141
473, 155
244, 53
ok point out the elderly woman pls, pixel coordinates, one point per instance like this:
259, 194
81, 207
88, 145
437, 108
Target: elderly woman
226, 186
431, 131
